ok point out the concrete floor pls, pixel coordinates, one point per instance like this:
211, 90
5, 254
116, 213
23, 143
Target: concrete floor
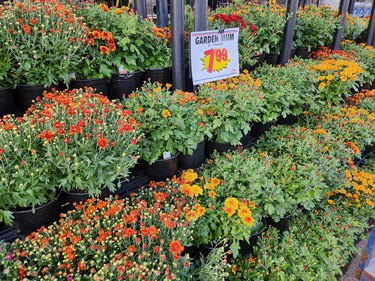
349, 275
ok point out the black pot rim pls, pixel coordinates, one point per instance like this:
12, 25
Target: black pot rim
159, 68
288, 216
170, 158
260, 231
124, 76
3, 89
31, 85
88, 80
39, 207
80, 193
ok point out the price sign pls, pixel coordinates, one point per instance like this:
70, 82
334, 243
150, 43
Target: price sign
214, 55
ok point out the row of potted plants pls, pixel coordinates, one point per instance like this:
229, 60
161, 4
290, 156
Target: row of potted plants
161, 222
74, 141
262, 28
51, 44
160, 124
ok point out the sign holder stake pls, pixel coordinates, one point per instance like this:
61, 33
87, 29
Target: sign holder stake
288, 32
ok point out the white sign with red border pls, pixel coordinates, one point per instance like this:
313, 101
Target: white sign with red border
214, 55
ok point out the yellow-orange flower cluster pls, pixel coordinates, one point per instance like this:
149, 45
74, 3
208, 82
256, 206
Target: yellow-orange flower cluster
232, 205
195, 213
331, 69
359, 190
232, 83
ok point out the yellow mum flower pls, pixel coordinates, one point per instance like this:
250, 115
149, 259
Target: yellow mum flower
231, 202
370, 203
195, 190
166, 113
248, 221
212, 194
230, 211
214, 181
189, 176
322, 85
244, 212
209, 186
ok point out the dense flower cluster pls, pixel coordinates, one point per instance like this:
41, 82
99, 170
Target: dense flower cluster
139, 238
104, 39
358, 191
227, 19
43, 39
78, 123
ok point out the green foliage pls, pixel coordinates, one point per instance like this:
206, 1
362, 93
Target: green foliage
211, 267
315, 26
88, 140
286, 91
25, 174
365, 55
354, 27
42, 44
307, 146
232, 105
170, 122
128, 33
316, 253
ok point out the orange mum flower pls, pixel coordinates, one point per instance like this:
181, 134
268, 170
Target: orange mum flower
104, 50
175, 247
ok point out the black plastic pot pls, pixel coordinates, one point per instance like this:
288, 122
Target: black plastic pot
121, 86
288, 120
302, 52
162, 169
161, 75
138, 169
247, 139
6, 101
292, 53
259, 129
272, 59
246, 247
100, 85
25, 94
282, 224
260, 59
206, 249
28, 221
189, 87
195, 160
78, 196
219, 147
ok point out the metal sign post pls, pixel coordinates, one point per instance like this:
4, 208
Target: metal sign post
371, 27
140, 7
288, 32
178, 50
200, 15
351, 6
338, 35
162, 13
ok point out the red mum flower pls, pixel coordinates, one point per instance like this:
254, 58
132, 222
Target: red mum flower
47, 135
102, 142
26, 28
75, 130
